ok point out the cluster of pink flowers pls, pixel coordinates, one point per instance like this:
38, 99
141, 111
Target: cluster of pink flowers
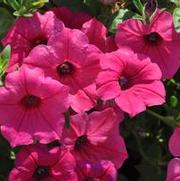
64, 62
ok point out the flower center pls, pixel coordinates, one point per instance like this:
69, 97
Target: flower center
89, 179
40, 40
30, 101
123, 82
65, 69
41, 173
153, 38
80, 142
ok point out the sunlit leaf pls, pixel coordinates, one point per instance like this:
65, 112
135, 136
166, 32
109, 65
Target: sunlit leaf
176, 16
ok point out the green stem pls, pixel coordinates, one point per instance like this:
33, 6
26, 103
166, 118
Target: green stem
143, 154
67, 118
170, 121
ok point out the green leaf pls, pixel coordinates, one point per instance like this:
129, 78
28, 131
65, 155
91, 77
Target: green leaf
173, 101
176, 2
14, 4
176, 16
6, 20
4, 59
25, 7
139, 6
119, 17
40, 3
149, 173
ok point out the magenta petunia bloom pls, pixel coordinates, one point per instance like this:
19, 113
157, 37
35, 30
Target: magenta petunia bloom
32, 107
97, 34
92, 137
132, 83
34, 163
173, 173
158, 40
174, 144
98, 171
69, 59
27, 33
86, 99
71, 19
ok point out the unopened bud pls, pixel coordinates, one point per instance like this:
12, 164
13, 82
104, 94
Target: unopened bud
150, 7
108, 2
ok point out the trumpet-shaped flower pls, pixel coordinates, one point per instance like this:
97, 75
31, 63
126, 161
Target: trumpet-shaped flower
38, 163
32, 107
92, 137
132, 83
157, 39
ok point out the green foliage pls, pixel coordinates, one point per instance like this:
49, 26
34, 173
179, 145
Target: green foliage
6, 20
176, 15
4, 59
138, 4
118, 17
176, 2
25, 7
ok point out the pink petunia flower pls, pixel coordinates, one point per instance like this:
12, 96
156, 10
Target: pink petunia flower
27, 33
173, 173
32, 107
174, 144
69, 59
92, 137
158, 40
73, 20
97, 34
132, 83
36, 162
86, 99
98, 171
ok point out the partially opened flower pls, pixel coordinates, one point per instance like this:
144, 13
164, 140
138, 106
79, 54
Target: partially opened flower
97, 35
71, 19
132, 83
27, 33
173, 173
92, 137
158, 40
99, 171
69, 59
36, 163
32, 107
174, 144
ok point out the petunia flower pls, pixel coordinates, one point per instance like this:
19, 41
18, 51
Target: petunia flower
73, 20
97, 35
157, 39
173, 173
92, 137
32, 107
34, 163
174, 144
86, 99
27, 33
99, 171
132, 83
70, 59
